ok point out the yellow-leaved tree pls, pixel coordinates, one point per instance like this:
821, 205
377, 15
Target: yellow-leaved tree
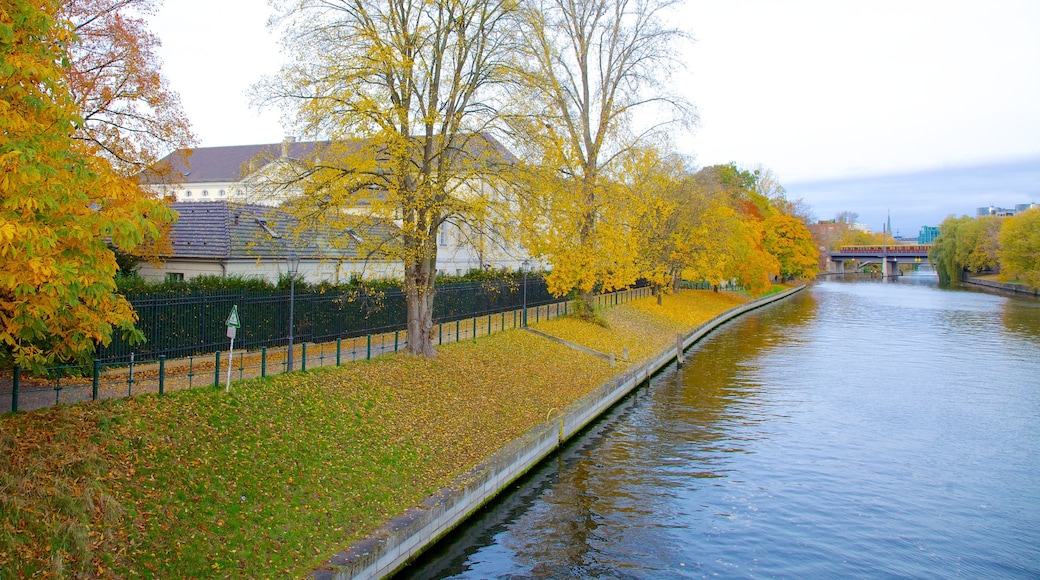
1020, 248
404, 92
588, 67
60, 202
787, 238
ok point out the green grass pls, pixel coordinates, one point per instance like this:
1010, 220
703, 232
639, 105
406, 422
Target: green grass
281, 473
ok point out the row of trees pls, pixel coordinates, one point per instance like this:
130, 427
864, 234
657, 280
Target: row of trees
415, 97
82, 108
1010, 246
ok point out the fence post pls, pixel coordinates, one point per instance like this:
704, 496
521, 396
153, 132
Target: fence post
15, 376
397, 335
216, 371
368, 354
474, 328
162, 372
457, 331
440, 333
97, 375
339, 349
303, 356
263, 361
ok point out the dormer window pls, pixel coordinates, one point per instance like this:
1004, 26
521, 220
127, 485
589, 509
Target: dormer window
353, 234
221, 193
262, 222
205, 193
187, 193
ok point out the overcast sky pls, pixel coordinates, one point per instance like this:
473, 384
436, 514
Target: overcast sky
921, 108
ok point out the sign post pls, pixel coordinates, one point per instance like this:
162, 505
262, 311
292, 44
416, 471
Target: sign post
232, 326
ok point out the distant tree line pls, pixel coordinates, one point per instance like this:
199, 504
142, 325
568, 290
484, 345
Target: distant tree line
1009, 246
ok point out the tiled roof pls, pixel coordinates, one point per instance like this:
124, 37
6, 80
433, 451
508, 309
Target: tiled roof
228, 230
230, 164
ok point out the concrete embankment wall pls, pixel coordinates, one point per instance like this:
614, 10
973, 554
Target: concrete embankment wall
407, 535
1016, 288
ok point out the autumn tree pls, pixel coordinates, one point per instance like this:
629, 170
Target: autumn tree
60, 202
1020, 248
404, 92
965, 244
589, 67
130, 115
787, 238
129, 112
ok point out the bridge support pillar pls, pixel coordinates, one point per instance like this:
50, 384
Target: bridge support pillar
889, 268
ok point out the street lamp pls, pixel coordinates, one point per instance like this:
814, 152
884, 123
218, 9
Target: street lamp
523, 318
293, 261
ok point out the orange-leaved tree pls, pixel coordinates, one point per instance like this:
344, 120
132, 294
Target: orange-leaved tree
60, 203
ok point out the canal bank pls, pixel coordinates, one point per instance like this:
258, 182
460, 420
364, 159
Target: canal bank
407, 535
1002, 286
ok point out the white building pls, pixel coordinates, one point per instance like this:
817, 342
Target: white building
236, 174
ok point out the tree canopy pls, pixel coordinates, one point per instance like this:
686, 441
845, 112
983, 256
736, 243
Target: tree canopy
404, 92
61, 202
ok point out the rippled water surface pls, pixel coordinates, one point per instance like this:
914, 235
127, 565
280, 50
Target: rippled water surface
858, 429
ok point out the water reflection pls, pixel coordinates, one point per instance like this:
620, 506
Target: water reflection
841, 433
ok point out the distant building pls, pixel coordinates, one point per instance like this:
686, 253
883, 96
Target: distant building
236, 175
1004, 212
928, 234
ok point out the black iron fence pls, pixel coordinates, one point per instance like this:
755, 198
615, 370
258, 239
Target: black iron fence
160, 373
178, 325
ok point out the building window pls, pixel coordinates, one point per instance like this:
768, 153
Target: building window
205, 193
221, 193
187, 193
175, 276
442, 237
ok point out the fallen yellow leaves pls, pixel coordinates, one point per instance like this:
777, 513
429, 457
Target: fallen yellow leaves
287, 470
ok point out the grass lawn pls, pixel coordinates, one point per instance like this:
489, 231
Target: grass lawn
271, 479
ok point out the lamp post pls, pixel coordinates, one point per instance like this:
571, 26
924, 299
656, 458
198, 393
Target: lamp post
293, 261
523, 318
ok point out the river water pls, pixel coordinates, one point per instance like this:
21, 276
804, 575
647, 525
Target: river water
857, 429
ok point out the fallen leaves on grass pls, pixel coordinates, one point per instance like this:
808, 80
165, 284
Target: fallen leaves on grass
284, 471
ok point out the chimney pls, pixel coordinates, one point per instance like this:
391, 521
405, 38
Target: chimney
285, 145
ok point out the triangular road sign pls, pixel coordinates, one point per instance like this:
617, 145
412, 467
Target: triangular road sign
232, 319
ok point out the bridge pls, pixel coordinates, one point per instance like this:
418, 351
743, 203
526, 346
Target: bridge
888, 256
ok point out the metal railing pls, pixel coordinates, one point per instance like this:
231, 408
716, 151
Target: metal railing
160, 374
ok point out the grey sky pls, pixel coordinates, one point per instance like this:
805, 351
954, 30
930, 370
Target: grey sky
824, 92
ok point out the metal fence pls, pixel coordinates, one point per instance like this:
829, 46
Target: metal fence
139, 373
185, 324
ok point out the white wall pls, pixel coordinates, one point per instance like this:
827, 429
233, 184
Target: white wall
309, 270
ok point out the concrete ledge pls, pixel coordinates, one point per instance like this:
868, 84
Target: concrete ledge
408, 534
1016, 288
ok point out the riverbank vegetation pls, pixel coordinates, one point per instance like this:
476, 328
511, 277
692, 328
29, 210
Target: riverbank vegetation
1008, 246
476, 116
282, 472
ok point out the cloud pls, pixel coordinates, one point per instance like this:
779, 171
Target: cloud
923, 197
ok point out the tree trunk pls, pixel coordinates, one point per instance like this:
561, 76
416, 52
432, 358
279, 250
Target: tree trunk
419, 292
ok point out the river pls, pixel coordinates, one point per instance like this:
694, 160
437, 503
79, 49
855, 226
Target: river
857, 429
